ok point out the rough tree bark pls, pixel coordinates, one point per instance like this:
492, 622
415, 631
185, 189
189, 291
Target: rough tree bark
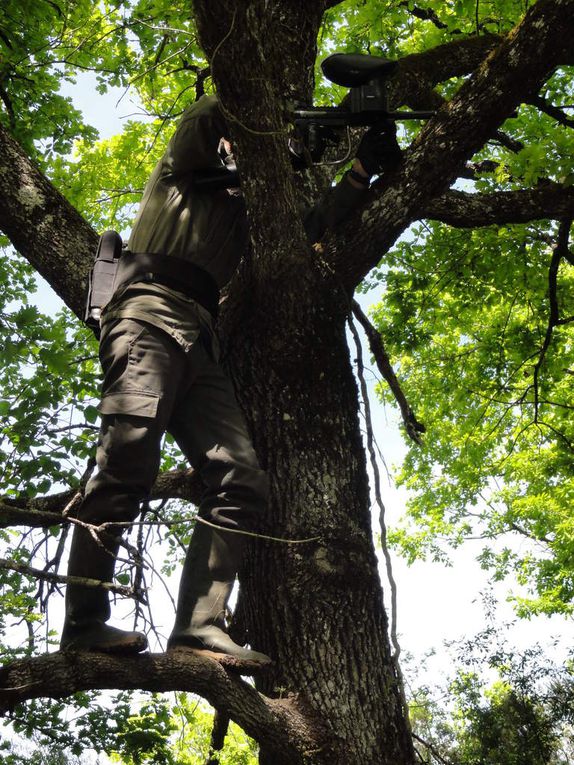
286, 726
317, 608
43, 226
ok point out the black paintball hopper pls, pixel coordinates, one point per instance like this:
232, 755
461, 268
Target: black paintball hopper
354, 69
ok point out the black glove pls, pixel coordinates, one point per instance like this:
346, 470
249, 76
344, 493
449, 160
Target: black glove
379, 149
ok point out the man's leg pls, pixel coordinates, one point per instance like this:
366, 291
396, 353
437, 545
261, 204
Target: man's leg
210, 429
142, 367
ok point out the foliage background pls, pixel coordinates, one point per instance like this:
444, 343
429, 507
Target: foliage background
464, 315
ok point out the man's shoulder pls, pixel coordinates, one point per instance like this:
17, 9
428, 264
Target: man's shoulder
205, 106
195, 140
203, 117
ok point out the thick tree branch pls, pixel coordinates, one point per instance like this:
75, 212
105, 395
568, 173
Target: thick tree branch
511, 74
509, 143
464, 210
456, 58
552, 111
417, 74
43, 226
13, 515
42, 512
282, 726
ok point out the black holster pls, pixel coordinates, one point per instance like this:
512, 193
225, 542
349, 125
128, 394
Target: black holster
102, 278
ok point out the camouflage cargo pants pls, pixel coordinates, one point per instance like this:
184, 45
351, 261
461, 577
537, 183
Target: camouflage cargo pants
152, 385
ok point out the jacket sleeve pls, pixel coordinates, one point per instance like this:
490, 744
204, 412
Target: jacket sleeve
195, 141
333, 207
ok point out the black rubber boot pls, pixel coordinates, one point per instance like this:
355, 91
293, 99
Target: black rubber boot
207, 579
88, 608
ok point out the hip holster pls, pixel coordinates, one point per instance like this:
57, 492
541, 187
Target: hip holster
102, 278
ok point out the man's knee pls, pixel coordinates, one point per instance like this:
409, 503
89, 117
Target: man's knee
108, 501
239, 499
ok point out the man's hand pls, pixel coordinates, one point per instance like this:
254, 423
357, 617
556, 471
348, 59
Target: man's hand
379, 149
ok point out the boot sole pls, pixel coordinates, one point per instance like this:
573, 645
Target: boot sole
133, 647
242, 666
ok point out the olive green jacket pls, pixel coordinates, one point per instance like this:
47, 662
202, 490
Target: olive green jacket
207, 227
175, 218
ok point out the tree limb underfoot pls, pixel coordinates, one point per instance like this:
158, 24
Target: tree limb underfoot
282, 726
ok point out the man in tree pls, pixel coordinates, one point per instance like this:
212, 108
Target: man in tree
161, 373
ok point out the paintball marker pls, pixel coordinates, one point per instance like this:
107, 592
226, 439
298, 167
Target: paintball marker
317, 127
367, 78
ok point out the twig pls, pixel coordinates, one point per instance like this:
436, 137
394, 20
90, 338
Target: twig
382, 520
432, 749
560, 248
138, 558
71, 505
48, 576
53, 563
412, 425
159, 28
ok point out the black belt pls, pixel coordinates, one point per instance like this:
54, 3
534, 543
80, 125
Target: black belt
173, 272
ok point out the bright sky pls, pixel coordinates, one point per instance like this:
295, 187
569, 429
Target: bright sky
435, 603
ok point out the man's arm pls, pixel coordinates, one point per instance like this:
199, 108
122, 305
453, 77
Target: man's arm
378, 151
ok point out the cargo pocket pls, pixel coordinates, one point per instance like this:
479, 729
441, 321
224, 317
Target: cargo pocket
142, 367
134, 403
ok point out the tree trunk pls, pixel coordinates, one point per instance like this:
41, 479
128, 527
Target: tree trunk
317, 606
